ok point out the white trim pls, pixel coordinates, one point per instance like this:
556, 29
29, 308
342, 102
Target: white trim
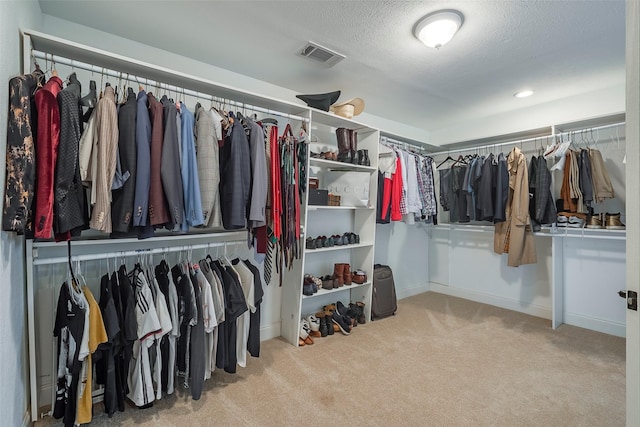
269, 331
509, 304
414, 290
595, 324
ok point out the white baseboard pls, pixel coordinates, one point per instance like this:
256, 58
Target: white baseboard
270, 331
414, 290
509, 304
595, 324
26, 419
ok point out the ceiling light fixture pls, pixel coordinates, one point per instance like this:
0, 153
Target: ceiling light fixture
438, 28
523, 93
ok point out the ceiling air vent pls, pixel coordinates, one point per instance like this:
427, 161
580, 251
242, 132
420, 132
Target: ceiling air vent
321, 54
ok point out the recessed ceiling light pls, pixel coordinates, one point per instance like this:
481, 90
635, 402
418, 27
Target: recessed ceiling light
438, 28
523, 93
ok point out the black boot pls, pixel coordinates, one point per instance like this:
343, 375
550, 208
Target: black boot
329, 322
344, 145
360, 157
365, 161
353, 142
324, 330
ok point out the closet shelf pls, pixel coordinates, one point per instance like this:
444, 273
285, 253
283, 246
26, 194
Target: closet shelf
590, 233
333, 165
587, 233
338, 248
331, 291
337, 208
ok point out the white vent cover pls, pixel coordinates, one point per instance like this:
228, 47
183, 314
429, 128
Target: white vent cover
321, 54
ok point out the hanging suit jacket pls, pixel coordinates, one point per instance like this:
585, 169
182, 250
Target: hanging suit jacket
208, 167
143, 159
515, 235
123, 198
260, 178
70, 208
171, 177
21, 156
47, 152
235, 178
107, 137
158, 213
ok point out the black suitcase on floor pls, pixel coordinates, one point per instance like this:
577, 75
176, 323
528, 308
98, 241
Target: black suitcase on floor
384, 302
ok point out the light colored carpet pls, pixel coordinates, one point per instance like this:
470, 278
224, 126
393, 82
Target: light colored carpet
441, 361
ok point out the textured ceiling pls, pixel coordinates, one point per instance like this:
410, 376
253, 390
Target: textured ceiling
558, 48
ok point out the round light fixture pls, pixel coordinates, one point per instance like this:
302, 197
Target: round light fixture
523, 93
438, 28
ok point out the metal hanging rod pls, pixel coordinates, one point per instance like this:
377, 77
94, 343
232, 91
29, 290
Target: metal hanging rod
521, 141
403, 144
152, 83
132, 253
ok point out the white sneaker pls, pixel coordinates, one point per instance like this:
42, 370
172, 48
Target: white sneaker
562, 220
575, 222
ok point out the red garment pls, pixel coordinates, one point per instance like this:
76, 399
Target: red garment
396, 192
386, 197
276, 190
48, 139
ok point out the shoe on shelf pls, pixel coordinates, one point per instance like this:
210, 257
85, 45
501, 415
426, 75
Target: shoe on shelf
310, 243
359, 277
344, 145
342, 322
328, 282
612, 222
309, 286
562, 219
575, 222
346, 274
366, 161
314, 326
347, 313
353, 144
595, 221
338, 275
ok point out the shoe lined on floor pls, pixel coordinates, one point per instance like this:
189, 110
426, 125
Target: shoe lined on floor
314, 325
342, 322
305, 330
612, 222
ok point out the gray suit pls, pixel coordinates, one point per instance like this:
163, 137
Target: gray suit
171, 174
143, 167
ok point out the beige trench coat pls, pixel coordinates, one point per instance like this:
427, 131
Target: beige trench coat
514, 236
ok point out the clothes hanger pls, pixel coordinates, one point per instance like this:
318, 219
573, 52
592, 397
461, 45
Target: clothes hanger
73, 276
449, 158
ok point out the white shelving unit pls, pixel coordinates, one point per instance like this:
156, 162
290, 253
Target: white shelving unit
332, 220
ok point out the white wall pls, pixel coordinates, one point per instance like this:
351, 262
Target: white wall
13, 354
405, 248
598, 103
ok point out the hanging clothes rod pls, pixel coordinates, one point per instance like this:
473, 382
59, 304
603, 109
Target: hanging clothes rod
521, 141
403, 144
132, 253
56, 59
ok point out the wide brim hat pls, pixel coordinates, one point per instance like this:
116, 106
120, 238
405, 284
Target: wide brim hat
349, 108
321, 101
